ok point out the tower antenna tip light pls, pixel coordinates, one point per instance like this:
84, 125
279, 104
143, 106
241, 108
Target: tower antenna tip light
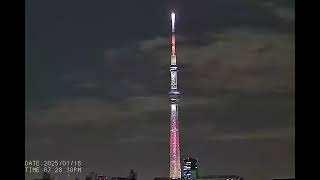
173, 16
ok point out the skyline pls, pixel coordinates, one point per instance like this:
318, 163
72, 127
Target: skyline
96, 85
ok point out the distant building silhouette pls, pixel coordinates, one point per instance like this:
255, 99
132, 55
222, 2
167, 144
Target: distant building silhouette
220, 177
164, 178
132, 175
190, 169
45, 176
161, 178
91, 176
101, 177
119, 178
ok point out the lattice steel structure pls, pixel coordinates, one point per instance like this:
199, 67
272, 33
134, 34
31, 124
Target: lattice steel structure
175, 166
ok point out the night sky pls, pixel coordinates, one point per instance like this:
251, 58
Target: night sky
97, 83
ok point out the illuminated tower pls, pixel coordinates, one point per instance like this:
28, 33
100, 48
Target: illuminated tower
175, 167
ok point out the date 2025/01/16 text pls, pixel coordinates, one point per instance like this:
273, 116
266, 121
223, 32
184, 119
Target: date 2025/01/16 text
62, 166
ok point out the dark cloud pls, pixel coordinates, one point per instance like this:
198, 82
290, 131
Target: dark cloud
260, 62
283, 9
259, 135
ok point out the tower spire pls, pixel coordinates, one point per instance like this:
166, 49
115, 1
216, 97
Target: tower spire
173, 18
175, 167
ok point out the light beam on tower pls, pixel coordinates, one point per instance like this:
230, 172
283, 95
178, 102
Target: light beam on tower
175, 167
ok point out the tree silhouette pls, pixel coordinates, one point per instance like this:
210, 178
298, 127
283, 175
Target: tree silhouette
132, 175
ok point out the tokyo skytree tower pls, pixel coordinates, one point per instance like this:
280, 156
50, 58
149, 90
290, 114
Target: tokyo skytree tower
175, 167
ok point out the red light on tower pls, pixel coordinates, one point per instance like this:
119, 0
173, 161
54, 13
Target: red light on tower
173, 40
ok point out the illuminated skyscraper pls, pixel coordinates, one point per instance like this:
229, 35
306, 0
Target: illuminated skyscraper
175, 167
190, 169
